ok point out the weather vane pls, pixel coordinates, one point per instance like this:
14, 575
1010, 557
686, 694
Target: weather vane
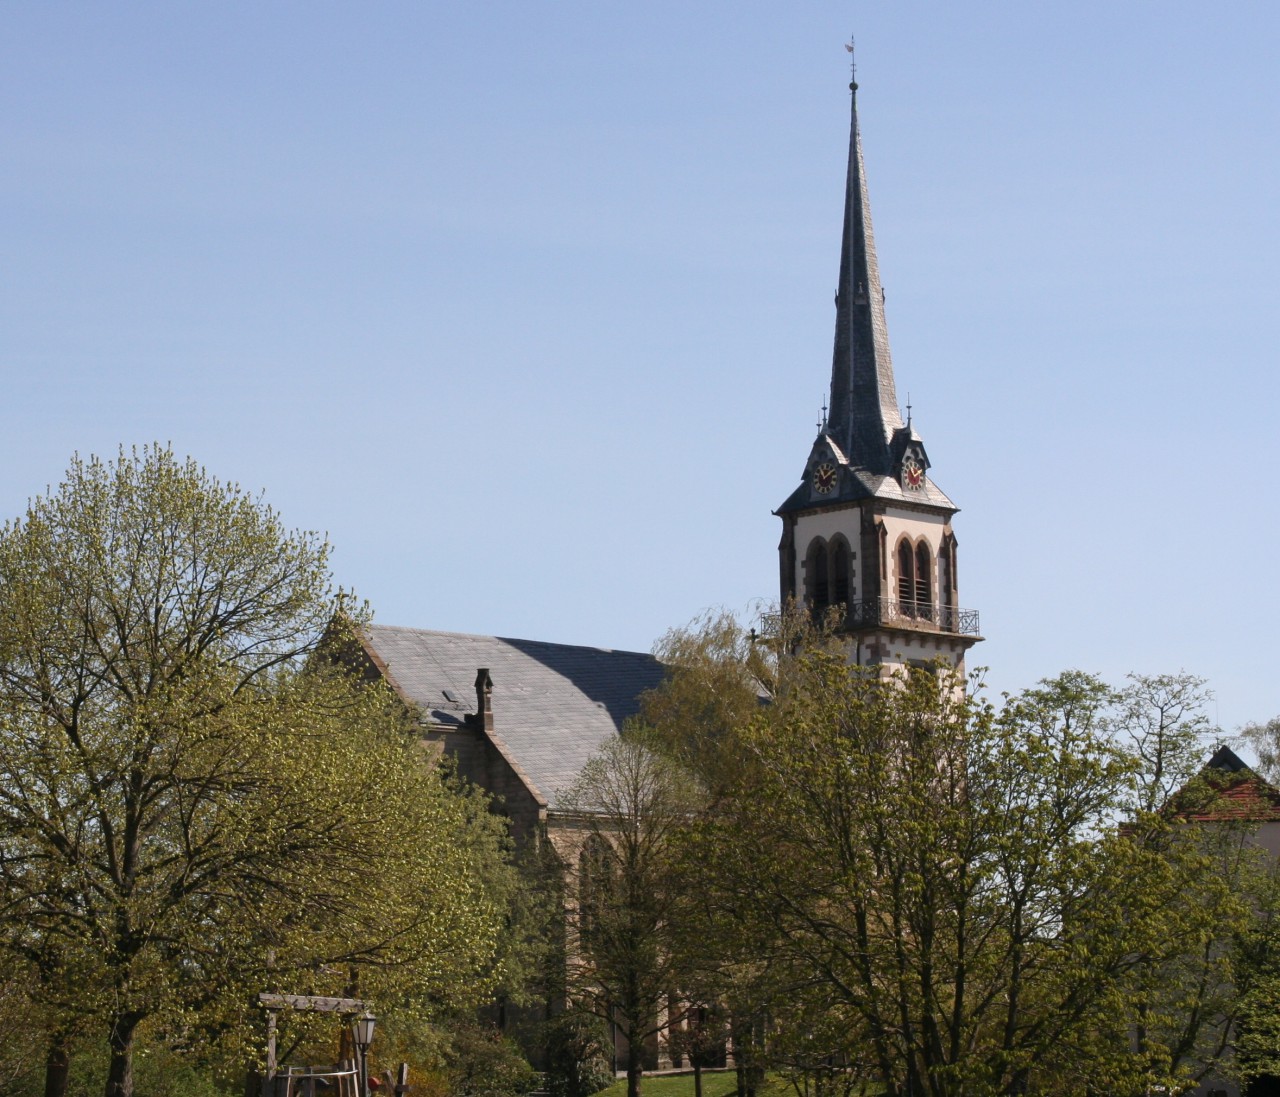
823, 425
853, 62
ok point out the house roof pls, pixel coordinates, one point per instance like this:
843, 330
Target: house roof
553, 704
1237, 793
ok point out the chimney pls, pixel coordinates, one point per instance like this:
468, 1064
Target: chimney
484, 699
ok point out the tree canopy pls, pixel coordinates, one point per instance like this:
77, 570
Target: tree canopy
193, 805
934, 894
627, 906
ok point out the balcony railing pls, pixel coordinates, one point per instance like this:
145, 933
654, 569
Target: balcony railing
879, 612
886, 611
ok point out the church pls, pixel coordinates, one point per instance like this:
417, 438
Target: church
867, 536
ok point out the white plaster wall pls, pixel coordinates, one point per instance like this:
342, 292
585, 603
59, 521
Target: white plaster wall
923, 647
913, 525
848, 521
1268, 837
826, 526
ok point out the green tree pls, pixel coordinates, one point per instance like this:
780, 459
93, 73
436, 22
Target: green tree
718, 673
1161, 719
952, 882
192, 807
1265, 740
631, 804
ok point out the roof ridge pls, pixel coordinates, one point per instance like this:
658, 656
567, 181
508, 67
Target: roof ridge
510, 640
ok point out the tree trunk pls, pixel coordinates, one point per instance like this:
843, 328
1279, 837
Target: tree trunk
57, 1063
120, 1038
635, 1064
697, 1077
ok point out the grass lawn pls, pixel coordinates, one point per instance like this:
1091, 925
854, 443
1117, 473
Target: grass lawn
715, 1083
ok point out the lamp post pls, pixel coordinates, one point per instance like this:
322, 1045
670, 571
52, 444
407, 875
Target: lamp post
362, 1036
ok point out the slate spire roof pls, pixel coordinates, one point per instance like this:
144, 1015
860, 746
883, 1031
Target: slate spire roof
863, 433
864, 406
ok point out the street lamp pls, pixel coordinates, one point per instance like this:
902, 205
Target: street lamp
362, 1035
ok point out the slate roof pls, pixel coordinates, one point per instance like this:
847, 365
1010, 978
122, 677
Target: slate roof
856, 484
553, 704
864, 406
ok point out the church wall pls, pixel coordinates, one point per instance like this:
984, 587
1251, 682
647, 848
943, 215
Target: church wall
897, 523
914, 525
826, 524
481, 763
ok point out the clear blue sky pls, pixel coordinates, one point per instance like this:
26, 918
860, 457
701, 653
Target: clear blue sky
529, 304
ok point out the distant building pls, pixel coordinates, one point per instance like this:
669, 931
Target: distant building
1238, 796
1229, 793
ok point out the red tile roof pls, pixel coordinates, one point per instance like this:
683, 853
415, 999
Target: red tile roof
1248, 796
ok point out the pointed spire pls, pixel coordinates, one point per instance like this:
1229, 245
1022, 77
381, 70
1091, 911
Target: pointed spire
864, 407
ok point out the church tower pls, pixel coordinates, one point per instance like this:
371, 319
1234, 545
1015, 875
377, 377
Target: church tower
867, 534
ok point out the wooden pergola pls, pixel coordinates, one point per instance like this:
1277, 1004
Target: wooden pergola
308, 1003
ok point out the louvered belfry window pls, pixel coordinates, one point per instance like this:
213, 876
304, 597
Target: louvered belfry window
906, 576
924, 576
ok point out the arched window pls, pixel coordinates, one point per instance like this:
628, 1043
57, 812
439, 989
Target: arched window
594, 878
947, 582
906, 576
840, 571
817, 581
924, 580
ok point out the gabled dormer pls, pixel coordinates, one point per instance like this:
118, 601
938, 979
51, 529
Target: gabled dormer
909, 463
825, 471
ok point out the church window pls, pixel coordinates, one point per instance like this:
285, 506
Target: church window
594, 883
840, 571
817, 581
924, 578
821, 583
906, 576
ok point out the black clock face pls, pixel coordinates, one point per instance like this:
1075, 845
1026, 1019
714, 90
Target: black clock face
912, 474
824, 478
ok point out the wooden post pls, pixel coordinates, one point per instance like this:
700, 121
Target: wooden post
269, 1075
402, 1080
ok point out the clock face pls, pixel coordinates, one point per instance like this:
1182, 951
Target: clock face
824, 478
912, 474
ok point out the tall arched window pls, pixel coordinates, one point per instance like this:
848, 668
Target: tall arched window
947, 580
817, 582
906, 575
594, 878
840, 571
924, 580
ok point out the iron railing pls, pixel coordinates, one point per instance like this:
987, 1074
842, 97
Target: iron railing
877, 612
887, 611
